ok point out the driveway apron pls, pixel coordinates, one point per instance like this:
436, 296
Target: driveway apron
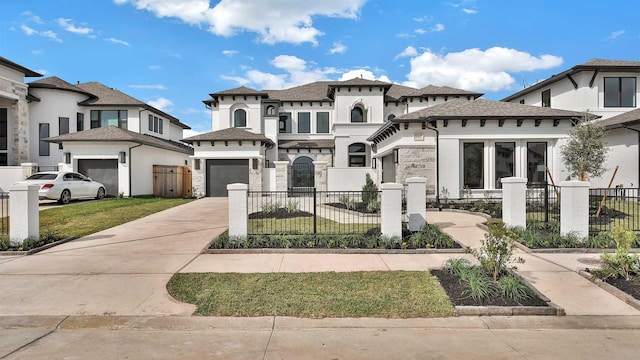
119, 271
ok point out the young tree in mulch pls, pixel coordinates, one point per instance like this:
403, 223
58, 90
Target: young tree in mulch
586, 151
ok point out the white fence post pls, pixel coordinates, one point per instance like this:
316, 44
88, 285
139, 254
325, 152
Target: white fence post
514, 201
574, 208
23, 213
238, 216
391, 209
416, 202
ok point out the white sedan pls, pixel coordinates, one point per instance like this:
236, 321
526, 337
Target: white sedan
65, 186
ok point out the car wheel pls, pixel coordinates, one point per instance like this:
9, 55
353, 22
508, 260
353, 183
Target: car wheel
65, 197
100, 194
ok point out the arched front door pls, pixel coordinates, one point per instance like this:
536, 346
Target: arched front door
301, 174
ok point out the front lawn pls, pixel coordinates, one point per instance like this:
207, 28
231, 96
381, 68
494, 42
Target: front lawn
84, 218
388, 294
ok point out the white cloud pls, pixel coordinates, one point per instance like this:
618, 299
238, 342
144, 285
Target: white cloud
338, 48
229, 53
70, 27
161, 104
437, 28
469, 11
51, 35
32, 17
422, 18
274, 21
149, 87
420, 31
410, 51
37, 52
42, 71
364, 74
474, 69
155, 67
615, 34
27, 30
118, 41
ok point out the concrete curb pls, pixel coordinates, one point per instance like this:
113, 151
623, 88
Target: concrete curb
509, 311
38, 249
333, 251
612, 290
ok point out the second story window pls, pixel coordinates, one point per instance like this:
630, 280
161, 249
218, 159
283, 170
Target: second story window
304, 123
619, 92
104, 118
322, 122
239, 118
284, 124
357, 115
546, 98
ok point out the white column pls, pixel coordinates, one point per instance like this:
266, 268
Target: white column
574, 208
514, 202
238, 216
282, 176
391, 209
416, 202
23, 213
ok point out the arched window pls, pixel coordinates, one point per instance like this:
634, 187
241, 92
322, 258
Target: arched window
357, 115
271, 110
357, 155
391, 117
239, 118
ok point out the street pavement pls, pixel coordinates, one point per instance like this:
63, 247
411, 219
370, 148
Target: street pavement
104, 296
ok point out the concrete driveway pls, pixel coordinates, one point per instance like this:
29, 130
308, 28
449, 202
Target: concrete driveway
118, 271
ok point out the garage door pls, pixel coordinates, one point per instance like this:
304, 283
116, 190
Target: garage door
101, 170
220, 173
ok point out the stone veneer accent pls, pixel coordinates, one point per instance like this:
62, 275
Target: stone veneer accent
197, 180
282, 178
320, 175
255, 176
417, 161
315, 155
18, 122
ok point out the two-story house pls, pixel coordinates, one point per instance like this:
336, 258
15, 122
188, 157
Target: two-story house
331, 134
607, 88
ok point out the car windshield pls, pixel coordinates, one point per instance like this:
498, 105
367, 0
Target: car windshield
42, 177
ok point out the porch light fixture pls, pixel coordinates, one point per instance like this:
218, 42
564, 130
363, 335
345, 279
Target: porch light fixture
122, 157
395, 156
373, 163
196, 164
67, 158
255, 164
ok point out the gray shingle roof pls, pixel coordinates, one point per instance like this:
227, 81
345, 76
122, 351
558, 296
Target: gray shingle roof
54, 82
625, 119
230, 134
315, 91
11, 65
593, 64
307, 144
242, 90
113, 133
360, 82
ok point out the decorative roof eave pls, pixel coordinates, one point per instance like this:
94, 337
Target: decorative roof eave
37, 85
10, 64
268, 144
384, 132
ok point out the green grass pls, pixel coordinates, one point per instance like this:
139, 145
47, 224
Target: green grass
304, 225
387, 294
86, 218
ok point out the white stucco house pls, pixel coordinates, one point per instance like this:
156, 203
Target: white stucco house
607, 88
91, 128
331, 134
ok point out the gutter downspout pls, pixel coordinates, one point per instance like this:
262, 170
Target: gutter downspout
130, 168
637, 132
437, 163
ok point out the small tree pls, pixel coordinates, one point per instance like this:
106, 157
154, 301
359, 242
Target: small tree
369, 191
585, 153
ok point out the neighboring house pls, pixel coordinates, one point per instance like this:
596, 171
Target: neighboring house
103, 133
331, 134
14, 121
607, 88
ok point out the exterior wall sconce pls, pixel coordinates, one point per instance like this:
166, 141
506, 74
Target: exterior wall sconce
196, 164
373, 163
67, 158
122, 157
395, 156
255, 164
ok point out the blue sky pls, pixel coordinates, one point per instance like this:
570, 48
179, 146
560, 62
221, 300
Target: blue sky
172, 53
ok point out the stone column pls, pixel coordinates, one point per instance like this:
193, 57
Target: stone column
238, 216
391, 209
574, 208
320, 175
514, 201
28, 169
282, 176
416, 202
24, 215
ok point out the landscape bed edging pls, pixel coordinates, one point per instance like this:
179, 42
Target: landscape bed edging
611, 289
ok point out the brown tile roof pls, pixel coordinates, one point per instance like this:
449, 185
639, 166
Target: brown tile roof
54, 82
593, 64
625, 119
11, 65
230, 134
113, 133
307, 144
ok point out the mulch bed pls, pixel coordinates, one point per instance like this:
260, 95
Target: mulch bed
606, 216
281, 213
456, 291
358, 207
631, 287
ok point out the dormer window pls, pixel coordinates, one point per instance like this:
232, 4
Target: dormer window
240, 118
357, 115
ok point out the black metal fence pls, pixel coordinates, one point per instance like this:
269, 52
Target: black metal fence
614, 207
313, 212
4, 214
543, 205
